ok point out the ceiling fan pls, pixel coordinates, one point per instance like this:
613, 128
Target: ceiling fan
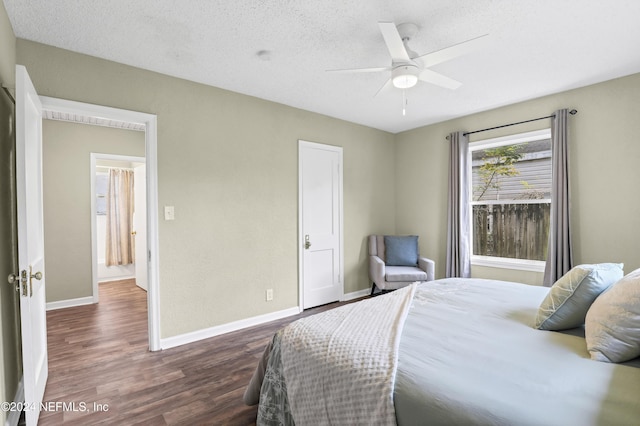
407, 67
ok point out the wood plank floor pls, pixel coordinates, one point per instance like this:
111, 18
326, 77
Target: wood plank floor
99, 359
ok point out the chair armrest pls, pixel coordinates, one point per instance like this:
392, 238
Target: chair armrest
376, 269
429, 266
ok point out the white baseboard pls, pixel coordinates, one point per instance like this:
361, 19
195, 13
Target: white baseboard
194, 336
112, 279
115, 272
60, 304
356, 294
14, 416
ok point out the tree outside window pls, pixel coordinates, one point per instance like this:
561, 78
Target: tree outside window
511, 185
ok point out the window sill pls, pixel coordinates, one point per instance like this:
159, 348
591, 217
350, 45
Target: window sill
507, 263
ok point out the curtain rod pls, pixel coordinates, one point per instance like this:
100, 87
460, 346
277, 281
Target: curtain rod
572, 112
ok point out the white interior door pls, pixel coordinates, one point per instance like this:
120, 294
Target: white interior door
140, 224
31, 243
320, 201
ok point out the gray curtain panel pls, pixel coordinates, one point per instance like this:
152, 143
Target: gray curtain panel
459, 226
560, 252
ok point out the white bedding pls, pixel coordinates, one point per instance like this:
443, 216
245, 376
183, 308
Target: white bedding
469, 355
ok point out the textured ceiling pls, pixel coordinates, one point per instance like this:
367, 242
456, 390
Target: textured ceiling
535, 48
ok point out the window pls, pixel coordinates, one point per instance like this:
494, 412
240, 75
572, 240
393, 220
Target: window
511, 200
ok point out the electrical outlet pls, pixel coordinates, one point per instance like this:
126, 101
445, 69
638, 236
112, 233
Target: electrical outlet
269, 294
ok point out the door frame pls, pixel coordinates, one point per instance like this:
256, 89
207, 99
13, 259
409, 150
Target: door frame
139, 224
150, 122
307, 144
95, 157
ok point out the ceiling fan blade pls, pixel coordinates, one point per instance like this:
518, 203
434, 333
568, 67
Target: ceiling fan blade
384, 87
353, 70
394, 42
448, 53
438, 79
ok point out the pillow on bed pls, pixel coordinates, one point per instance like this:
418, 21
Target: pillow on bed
569, 299
612, 327
401, 251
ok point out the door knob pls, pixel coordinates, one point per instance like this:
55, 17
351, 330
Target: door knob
133, 233
37, 276
307, 243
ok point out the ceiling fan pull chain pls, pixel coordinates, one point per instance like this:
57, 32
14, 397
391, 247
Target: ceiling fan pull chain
404, 102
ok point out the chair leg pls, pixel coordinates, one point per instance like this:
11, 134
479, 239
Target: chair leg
373, 288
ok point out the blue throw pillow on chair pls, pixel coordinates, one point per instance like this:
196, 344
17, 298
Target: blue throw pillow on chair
401, 251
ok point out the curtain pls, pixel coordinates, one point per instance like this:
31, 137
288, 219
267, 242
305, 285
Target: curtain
119, 218
458, 220
559, 252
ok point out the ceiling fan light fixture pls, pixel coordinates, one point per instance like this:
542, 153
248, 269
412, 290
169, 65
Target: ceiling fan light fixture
405, 76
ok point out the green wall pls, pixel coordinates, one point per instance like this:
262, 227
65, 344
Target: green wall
66, 171
604, 153
7, 50
229, 165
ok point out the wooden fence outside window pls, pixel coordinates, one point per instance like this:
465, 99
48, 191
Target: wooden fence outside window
517, 231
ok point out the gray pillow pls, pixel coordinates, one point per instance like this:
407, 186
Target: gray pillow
569, 299
401, 251
612, 327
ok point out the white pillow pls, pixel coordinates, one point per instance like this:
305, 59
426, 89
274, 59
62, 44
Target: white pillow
612, 326
569, 299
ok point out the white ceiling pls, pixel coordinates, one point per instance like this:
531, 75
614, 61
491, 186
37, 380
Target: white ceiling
535, 48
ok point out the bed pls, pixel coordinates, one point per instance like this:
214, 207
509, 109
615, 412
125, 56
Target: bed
460, 351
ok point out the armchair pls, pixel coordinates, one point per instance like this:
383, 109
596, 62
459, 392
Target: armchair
392, 277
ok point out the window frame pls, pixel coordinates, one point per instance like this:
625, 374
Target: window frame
494, 261
99, 194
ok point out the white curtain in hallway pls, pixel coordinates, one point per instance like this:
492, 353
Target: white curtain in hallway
120, 205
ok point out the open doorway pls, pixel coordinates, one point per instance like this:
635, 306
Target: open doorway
106, 222
106, 116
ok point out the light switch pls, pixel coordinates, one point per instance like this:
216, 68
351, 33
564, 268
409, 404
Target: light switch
169, 213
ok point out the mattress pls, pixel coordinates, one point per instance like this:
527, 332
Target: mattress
469, 355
